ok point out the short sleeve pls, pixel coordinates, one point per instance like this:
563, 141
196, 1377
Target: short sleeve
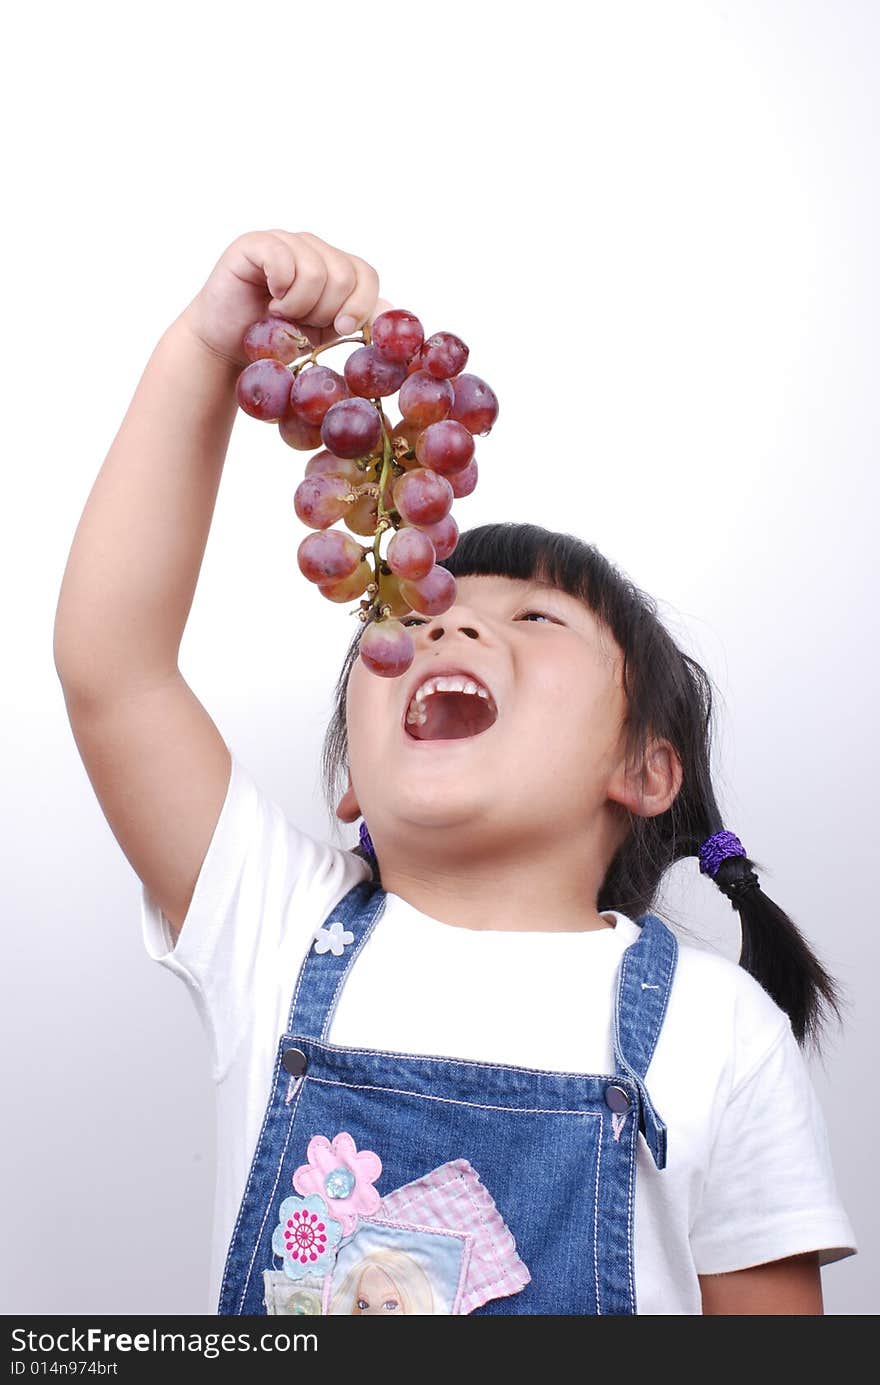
263, 887
770, 1190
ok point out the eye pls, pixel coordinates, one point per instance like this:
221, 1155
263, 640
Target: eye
390, 1304
542, 614
410, 620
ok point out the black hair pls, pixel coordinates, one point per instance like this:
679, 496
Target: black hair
669, 695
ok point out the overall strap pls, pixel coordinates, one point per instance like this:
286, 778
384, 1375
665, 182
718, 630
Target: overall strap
644, 984
332, 949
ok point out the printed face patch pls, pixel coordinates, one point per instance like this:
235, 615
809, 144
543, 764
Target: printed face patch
391, 1269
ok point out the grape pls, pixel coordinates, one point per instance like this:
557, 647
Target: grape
406, 432
387, 648
276, 338
348, 587
411, 553
390, 594
431, 595
463, 482
444, 355
476, 403
443, 535
328, 556
397, 335
426, 460
305, 437
423, 400
263, 390
422, 496
325, 464
445, 447
363, 514
351, 428
320, 500
314, 390
370, 375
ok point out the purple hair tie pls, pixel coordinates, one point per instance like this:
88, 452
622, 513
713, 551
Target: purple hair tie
718, 848
367, 841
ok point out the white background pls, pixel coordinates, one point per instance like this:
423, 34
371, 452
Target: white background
656, 226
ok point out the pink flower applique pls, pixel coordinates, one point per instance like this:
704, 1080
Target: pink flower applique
343, 1176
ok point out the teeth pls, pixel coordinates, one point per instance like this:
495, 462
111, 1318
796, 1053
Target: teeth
416, 714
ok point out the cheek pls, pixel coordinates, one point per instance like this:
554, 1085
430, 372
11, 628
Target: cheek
366, 708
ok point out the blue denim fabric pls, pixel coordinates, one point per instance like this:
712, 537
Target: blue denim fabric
542, 1142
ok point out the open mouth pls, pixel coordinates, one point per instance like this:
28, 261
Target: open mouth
452, 716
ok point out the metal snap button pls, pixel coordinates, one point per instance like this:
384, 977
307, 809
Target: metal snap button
617, 1099
295, 1061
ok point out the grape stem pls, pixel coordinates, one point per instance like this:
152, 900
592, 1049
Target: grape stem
384, 522
312, 357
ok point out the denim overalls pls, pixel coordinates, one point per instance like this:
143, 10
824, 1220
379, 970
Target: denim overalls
528, 1203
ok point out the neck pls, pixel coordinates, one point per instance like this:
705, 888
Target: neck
554, 893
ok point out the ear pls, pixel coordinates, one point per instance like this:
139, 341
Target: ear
650, 794
348, 809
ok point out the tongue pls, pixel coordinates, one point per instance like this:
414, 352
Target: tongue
451, 716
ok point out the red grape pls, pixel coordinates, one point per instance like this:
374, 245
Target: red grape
387, 648
315, 389
325, 464
351, 428
397, 335
415, 364
348, 587
411, 553
444, 535
476, 403
276, 338
431, 595
423, 400
422, 496
305, 437
263, 390
370, 375
320, 500
446, 446
444, 355
464, 482
328, 555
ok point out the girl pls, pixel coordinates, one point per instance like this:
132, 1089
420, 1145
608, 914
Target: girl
468, 1038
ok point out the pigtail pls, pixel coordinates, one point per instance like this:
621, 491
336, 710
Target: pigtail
777, 954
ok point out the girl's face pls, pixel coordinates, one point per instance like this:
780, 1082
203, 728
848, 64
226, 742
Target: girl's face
377, 1294
551, 759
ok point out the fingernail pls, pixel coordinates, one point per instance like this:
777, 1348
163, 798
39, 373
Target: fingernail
344, 325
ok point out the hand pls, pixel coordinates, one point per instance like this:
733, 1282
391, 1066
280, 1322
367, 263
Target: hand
288, 274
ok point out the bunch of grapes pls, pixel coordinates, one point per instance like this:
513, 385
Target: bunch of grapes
373, 475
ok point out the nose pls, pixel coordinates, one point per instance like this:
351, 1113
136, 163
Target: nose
458, 617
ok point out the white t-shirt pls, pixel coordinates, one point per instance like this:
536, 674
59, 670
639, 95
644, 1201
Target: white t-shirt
749, 1176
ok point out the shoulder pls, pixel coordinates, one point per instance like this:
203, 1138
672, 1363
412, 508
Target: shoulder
716, 1002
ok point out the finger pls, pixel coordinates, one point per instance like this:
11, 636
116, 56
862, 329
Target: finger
342, 281
308, 283
360, 305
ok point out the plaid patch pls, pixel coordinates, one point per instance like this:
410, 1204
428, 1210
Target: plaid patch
452, 1197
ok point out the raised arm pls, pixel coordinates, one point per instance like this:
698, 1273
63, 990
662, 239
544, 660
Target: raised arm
157, 762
